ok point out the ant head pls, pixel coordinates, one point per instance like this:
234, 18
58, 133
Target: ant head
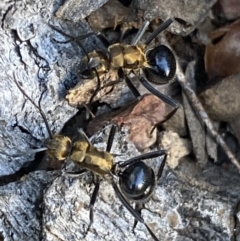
137, 181
161, 65
59, 147
98, 61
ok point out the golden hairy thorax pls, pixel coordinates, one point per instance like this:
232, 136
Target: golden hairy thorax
127, 56
81, 152
117, 56
91, 158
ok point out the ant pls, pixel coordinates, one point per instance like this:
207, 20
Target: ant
158, 65
136, 180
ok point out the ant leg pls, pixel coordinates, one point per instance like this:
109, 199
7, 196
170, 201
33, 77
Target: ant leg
92, 202
142, 157
111, 138
132, 87
143, 28
129, 83
135, 214
140, 33
103, 40
163, 97
162, 27
160, 170
138, 208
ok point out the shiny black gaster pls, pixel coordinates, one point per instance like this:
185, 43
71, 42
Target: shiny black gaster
137, 181
162, 65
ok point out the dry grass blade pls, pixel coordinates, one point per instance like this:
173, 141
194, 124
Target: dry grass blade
196, 104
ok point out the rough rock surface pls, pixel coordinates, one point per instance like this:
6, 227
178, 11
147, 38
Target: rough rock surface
177, 147
189, 203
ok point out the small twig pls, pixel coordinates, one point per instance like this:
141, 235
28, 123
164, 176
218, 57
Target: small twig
197, 106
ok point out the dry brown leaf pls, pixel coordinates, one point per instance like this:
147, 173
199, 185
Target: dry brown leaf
222, 55
140, 118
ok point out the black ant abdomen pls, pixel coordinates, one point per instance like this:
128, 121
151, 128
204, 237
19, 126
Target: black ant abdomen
162, 65
137, 181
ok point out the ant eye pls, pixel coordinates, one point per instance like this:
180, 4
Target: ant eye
162, 65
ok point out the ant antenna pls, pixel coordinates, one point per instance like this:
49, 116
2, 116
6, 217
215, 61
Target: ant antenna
20, 153
38, 107
78, 41
71, 38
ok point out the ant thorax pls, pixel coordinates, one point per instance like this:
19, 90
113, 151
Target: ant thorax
118, 56
127, 56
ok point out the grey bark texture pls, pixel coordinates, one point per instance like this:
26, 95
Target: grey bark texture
189, 203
